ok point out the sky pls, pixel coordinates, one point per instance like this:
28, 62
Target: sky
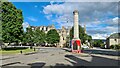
100, 18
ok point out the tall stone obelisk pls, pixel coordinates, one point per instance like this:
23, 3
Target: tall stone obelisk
76, 28
76, 41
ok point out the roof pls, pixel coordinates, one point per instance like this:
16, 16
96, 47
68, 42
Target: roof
115, 35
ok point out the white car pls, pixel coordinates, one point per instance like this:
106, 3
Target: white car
84, 46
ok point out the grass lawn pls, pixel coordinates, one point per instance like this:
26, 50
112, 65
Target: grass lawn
5, 52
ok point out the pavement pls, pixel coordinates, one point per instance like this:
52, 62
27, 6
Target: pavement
51, 56
98, 48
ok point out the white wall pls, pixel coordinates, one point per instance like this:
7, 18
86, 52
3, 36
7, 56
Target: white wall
114, 42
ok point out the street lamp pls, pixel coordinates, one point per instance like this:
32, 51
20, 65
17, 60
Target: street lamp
68, 34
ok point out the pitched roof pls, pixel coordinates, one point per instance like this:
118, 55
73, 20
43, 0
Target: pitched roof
115, 35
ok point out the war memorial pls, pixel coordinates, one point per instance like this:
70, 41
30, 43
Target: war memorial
42, 46
76, 42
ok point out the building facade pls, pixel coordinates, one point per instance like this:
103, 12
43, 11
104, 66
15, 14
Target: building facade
43, 28
63, 33
114, 39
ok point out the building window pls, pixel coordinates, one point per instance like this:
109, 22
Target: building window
115, 40
46, 29
42, 28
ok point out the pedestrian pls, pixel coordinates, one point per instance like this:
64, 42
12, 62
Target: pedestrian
34, 49
21, 52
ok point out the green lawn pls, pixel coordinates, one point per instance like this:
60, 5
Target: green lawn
5, 52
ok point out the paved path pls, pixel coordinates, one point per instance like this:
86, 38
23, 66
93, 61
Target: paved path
58, 57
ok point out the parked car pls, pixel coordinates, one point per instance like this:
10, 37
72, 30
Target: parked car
84, 46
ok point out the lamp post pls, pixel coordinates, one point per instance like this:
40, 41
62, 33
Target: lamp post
68, 33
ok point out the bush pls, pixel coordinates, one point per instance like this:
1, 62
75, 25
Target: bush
102, 45
112, 47
14, 48
115, 47
97, 43
31, 47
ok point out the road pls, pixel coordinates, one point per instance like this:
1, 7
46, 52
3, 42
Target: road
50, 56
103, 52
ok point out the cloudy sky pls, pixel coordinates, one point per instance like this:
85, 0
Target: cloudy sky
100, 18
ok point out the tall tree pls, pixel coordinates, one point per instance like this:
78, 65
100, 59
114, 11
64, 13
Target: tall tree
34, 36
82, 35
52, 36
29, 36
12, 20
39, 36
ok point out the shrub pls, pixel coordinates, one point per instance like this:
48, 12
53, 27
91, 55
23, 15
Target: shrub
115, 47
102, 45
112, 47
31, 47
14, 48
97, 43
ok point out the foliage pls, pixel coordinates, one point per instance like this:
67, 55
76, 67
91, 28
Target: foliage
102, 45
39, 36
112, 47
34, 36
4, 0
12, 20
52, 36
115, 46
0, 24
82, 35
98, 43
14, 48
29, 36
0, 31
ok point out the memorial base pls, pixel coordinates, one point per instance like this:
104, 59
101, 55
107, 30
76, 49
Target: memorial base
76, 46
76, 51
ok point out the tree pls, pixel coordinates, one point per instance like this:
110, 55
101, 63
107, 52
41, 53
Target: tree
52, 37
0, 31
98, 43
12, 20
34, 36
39, 36
30, 35
0, 24
4, 0
89, 38
82, 35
